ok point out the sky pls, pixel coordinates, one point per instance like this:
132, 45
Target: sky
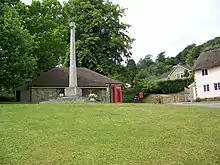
169, 25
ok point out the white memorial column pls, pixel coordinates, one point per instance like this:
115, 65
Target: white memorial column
73, 89
72, 68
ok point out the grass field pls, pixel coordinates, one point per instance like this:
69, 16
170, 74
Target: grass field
126, 134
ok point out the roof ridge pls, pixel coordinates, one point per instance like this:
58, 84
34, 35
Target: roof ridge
98, 74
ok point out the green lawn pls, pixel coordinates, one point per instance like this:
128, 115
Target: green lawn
126, 134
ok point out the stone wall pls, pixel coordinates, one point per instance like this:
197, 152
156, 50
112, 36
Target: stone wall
44, 94
166, 98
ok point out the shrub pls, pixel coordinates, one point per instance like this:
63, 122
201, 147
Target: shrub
6, 99
198, 99
128, 94
147, 85
174, 86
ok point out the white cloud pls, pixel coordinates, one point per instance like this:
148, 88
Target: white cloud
170, 25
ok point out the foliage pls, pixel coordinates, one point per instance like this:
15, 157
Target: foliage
174, 86
145, 62
131, 71
189, 58
128, 94
163, 64
186, 73
142, 74
147, 85
101, 37
182, 56
207, 99
120, 75
161, 57
16, 60
45, 22
35, 38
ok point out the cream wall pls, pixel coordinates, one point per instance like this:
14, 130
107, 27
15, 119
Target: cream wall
179, 69
212, 77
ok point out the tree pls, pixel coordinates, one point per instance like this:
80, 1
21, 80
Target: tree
171, 61
145, 62
142, 74
161, 57
161, 68
16, 60
45, 23
182, 56
102, 42
131, 71
147, 85
189, 59
186, 73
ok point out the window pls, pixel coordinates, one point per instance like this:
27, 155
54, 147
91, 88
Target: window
206, 88
61, 92
216, 86
204, 72
179, 75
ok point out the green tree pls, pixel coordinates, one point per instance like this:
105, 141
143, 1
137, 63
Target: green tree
45, 23
186, 73
102, 42
145, 62
161, 68
161, 57
182, 56
131, 71
147, 85
16, 60
189, 59
142, 74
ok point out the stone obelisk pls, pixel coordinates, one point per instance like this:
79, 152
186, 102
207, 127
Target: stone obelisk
73, 89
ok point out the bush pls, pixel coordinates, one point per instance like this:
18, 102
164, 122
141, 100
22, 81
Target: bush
198, 99
174, 86
147, 85
128, 95
6, 99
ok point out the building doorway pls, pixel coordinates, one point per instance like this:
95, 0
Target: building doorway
18, 96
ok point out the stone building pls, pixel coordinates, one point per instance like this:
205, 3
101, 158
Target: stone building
71, 83
52, 84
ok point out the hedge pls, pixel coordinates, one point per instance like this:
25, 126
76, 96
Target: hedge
174, 86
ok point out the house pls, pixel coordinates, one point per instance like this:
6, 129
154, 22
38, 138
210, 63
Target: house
178, 71
207, 73
52, 84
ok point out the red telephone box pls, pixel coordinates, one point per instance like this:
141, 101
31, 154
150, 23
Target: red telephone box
117, 94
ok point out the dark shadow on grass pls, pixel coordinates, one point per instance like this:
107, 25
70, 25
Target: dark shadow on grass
2, 102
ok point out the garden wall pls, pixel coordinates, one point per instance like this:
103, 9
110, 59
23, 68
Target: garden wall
166, 98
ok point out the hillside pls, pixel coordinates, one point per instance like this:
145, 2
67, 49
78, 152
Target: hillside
163, 63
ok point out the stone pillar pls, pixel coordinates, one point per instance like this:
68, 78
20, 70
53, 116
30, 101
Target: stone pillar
108, 94
72, 68
73, 89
